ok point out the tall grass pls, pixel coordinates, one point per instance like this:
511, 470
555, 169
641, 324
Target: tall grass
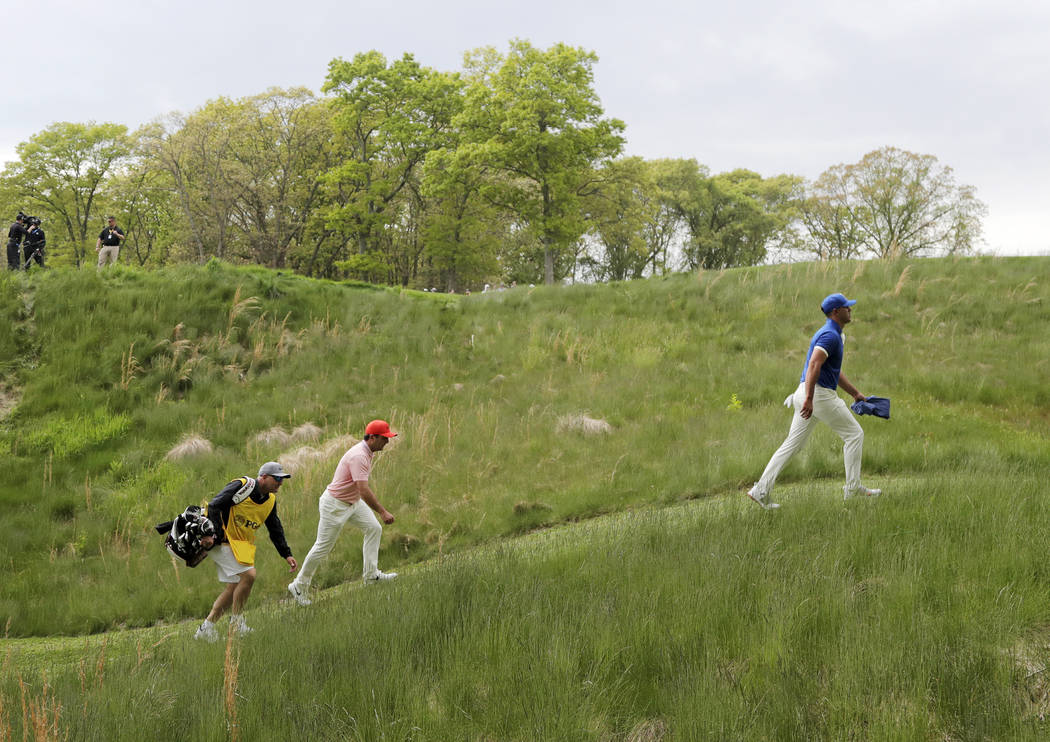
688, 372
908, 617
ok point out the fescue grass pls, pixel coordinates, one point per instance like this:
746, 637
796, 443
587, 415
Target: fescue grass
907, 617
116, 369
686, 614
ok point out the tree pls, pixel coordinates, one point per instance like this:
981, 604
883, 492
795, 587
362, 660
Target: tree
833, 227
664, 227
63, 169
194, 151
282, 145
733, 218
619, 208
247, 173
144, 202
751, 216
533, 120
463, 230
892, 203
387, 118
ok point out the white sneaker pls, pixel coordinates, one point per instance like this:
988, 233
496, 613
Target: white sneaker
861, 491
240, 626
207, 633
300, 595
762, 499
380, 577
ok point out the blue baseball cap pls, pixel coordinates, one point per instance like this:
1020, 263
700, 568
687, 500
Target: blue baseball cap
834, 301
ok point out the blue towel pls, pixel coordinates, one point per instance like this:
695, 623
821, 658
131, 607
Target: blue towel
878, 406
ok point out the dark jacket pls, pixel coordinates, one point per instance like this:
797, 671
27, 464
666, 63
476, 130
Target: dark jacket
35, 238
219, 515
16, 233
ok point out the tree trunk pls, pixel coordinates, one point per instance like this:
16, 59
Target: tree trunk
548, 252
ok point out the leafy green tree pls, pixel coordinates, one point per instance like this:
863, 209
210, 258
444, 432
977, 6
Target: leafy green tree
663, 229
62, 171
194, 151
733, 218
283, 145
534, 122
893, 203
619, 207
832, 226
247, 172
387, 117
463, 230
145, 204
521, 256
752, 217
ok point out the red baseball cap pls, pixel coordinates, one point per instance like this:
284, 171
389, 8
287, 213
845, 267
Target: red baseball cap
380, 427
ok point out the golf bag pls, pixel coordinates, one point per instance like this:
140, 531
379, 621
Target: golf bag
185, 534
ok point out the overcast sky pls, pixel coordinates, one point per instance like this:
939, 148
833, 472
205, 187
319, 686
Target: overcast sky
773, 86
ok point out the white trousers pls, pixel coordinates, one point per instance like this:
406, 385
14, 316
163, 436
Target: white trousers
829, 408
334, 515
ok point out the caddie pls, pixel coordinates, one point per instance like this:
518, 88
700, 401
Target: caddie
237, 512
816, 399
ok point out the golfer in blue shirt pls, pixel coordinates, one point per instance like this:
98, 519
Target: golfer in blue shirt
816, 399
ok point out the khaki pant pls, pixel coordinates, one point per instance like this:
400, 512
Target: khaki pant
108, 255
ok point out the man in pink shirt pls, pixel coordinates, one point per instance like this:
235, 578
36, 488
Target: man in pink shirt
349, 498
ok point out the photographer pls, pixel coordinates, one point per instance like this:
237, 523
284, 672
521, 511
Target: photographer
108, 244
33, 247
15, 235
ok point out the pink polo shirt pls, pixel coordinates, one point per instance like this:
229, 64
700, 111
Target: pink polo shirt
355, 466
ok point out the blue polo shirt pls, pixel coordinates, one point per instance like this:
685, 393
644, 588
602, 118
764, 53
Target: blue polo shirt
828, 337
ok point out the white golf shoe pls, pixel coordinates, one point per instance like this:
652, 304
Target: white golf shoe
762, 499
299, 594
380, 577
861, 491
207, 632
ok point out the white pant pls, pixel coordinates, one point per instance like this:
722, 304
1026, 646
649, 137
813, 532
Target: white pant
334, 515
829, 408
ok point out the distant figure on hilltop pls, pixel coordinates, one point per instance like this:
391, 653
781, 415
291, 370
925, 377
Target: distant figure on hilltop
15, 235
35, 242
349, 498
108, 244
816, 398
237, 513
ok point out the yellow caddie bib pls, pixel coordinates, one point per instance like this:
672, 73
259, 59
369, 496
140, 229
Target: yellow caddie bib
246, 517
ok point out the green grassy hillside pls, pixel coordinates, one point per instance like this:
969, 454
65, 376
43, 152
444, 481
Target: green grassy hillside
114, 370
687, 614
